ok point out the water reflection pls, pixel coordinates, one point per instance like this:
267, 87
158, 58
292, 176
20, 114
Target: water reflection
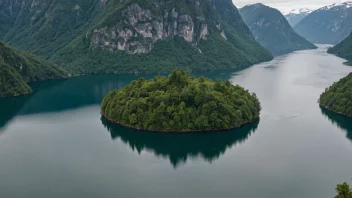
72, 93
61, 95
340, 121
10, 108
180, 147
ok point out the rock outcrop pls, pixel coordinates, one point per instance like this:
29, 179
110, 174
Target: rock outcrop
141, 29
125, 36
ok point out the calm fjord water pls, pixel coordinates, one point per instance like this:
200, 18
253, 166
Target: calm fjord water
55, 144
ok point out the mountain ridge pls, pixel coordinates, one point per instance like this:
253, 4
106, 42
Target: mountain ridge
116, 36
296, 15
272, 30
327, 25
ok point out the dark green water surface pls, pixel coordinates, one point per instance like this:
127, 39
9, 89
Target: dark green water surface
54, 143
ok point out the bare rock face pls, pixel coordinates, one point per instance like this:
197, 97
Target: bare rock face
140, 30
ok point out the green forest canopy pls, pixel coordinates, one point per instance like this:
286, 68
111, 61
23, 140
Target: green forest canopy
181, 102
338, 97
27, 27
343, 191
17, 68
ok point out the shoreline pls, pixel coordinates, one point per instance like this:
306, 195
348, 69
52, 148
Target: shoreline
334, 111
17, 95
32, 90
177, 131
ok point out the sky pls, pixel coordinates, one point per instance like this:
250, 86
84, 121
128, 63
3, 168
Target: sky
287, 5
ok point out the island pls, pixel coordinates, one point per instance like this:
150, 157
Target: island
338, 97
181, 103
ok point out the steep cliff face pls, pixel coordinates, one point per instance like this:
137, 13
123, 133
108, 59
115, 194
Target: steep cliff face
114, 36
140, 29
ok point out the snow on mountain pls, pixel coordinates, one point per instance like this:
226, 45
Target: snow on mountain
300, 11
343, 5
296, 15
327, 25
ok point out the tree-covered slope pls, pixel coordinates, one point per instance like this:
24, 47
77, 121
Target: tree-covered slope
327, 25
271, 29
343, 49
44, 26
338, 97
113, 36
17, 68
181, 103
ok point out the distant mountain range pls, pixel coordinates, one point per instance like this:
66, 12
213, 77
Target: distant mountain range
272, 31
327, 25
131, 36
296, 15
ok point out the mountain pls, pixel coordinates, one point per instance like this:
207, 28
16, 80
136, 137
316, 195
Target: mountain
125, 36
296, 15
343, 49
272, 31
327, 25
18, 68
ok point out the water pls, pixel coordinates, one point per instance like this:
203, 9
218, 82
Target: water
55, 144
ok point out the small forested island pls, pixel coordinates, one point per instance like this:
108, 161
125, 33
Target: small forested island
338, 97
181, 103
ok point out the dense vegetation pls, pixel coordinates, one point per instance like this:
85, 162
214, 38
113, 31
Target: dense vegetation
18, 68
181, 102
343, 49
166, 56
343, 191
338, 97
29, 26
271, 29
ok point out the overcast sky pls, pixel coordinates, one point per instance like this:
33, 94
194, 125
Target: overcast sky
287, 5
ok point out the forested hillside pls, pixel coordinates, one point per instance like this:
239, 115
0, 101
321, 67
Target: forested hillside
18, 68
124, 36
343, 49
338, 97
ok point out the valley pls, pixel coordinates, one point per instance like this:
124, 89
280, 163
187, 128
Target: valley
59, 137
175, 98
